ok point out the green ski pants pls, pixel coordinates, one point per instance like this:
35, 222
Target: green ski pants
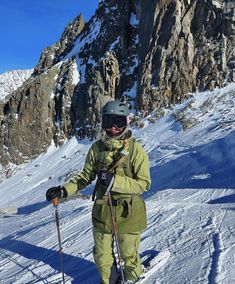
104, 257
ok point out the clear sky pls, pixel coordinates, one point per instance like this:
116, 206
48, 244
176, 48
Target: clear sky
28, 26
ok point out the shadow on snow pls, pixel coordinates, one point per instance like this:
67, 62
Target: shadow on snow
75, 267
223, 200
31, 208
207, 166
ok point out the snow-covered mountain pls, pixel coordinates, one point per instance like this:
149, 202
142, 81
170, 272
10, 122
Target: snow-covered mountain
12, 80
150, 53
190, 205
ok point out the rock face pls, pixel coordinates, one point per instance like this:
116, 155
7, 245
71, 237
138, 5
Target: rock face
186, 45
152, 53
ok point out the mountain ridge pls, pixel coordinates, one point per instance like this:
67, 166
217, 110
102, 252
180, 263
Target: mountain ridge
151, 60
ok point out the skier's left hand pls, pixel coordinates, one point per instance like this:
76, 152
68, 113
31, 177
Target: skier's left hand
105, 177
56, 191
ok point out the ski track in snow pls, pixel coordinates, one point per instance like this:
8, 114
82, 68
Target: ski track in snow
190, 207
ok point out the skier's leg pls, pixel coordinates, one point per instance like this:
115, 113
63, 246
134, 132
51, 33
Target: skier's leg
104, 258
129, 247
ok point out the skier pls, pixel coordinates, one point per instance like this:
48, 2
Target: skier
126, 179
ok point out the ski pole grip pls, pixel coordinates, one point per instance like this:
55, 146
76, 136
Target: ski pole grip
56, 201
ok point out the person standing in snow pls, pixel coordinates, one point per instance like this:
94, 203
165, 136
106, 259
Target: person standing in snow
126, 183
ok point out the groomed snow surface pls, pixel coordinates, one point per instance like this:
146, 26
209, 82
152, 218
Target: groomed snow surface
190, 205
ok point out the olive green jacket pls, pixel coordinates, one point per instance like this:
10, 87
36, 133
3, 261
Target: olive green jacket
131, 179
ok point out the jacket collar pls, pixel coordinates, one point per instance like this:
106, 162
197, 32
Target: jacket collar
117, 142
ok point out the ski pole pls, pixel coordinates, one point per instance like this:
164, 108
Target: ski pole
114, 230
56, 203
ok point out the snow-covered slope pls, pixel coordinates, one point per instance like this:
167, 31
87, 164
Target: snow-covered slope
10, 81
190, 205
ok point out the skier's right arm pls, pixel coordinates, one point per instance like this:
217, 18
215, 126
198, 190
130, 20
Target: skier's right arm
85, 177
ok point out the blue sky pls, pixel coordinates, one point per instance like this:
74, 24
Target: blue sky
28, 26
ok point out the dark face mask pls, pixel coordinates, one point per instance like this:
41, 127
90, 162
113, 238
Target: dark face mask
108, 121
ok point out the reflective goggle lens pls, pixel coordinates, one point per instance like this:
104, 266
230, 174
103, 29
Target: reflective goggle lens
108, 121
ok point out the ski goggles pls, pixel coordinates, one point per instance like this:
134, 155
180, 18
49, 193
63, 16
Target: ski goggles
119, 121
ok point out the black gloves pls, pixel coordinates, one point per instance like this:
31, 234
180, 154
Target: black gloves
56, 191
106, 178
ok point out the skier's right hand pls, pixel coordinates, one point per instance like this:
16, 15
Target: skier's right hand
56, 191
105, 178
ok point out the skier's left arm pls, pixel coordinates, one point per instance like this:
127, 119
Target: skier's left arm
140, 181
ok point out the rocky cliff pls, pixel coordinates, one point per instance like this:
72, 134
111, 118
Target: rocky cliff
152, 53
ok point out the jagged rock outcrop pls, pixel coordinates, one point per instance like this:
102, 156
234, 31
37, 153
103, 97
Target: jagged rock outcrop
34, 114
53, 54
152, 53
186, 45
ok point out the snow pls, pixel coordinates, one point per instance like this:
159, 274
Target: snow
133, 20
85, 39
132, 68
12, 80
114, 44
132, 92
76, 75
79, 67
190, 205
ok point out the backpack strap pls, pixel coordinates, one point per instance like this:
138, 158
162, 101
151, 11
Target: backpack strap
124, 154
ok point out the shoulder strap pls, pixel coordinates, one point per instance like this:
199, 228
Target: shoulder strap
128, 167
126, 153
128, 145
